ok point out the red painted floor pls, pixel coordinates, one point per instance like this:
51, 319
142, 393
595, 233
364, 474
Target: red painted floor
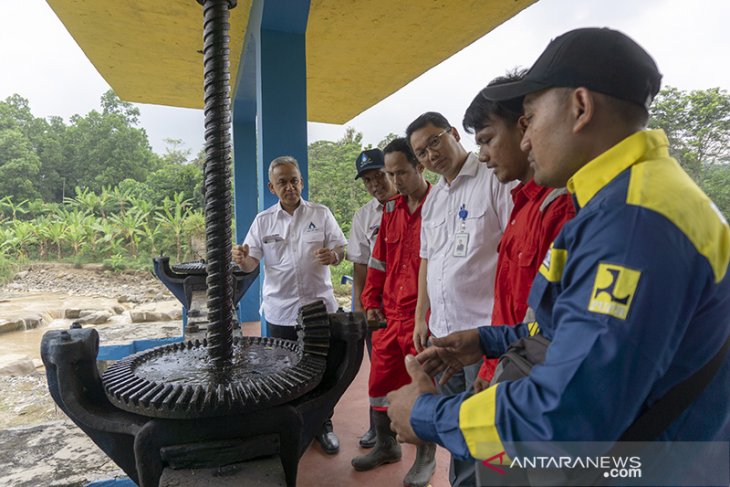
317, 469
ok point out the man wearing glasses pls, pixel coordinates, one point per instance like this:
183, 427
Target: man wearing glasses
462, 222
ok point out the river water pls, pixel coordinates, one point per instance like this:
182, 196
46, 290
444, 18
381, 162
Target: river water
49, 309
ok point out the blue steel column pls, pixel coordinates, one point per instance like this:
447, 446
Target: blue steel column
245, 194
270, 101
282, 101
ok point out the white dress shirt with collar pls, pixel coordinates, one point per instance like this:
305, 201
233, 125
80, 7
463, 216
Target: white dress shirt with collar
286, 244
364, 230
461, 288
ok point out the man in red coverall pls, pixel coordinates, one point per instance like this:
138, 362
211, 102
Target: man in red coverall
390, 294
536, 219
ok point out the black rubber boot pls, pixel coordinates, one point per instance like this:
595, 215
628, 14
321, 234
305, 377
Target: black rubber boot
423, 467
387, 449
327, 439
368, 439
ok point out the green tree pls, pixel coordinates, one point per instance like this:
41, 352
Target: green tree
387, 140
175, 153
331, 173
171, 180
19, 165
106, 148
697, 124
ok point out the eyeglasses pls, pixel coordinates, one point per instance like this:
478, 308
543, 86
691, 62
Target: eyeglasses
433, 144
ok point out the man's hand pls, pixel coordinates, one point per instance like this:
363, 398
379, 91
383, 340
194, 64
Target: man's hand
239, 254
420, 335
401, 401
375, 314
325, 256
451, 353
480, 385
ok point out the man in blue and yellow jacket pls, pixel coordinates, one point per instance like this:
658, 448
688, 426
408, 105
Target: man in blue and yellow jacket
634, 293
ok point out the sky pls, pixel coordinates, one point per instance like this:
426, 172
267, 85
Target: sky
689, 39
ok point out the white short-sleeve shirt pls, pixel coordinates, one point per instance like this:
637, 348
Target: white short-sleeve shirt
286, 244
461, 288
364, 230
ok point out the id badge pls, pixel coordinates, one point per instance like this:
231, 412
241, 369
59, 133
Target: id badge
461, 244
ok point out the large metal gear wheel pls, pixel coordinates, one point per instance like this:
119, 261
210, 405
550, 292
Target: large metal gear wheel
180, 381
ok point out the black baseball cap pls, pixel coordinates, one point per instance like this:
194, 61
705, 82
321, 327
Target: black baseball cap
600, 59
369, 159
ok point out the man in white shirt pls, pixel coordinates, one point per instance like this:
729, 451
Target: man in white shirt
297, 241
365, 224
462, 222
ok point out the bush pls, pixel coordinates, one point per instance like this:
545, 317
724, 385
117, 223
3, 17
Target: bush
116, 263
344, 269
7, 269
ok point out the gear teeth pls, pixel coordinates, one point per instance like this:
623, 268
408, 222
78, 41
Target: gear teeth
128, 388
314, 322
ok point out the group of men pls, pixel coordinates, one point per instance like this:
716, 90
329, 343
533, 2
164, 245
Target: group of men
568, 224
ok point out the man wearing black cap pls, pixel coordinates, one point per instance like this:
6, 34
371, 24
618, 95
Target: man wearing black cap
365, 224
634, 293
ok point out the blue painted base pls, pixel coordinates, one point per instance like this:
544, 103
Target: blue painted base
118, 352
118, 482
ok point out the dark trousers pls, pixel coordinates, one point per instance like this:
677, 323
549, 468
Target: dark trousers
282, 331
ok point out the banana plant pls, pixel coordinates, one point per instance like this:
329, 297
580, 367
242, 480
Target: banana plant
24, 237
172, 218
78, 224
130, 226
56, 232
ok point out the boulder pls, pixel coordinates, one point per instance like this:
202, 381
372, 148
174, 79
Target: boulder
7, 326
72, 313
175, 314
148, 316
15, 364
94, 318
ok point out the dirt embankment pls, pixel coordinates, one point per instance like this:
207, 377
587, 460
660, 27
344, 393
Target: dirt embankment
89, 280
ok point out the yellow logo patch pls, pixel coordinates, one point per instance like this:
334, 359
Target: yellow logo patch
613, 290
553, 264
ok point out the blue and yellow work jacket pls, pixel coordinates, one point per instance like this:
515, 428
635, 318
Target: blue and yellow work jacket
635, 296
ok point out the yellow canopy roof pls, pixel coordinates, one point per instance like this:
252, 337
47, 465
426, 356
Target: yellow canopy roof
358, 51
